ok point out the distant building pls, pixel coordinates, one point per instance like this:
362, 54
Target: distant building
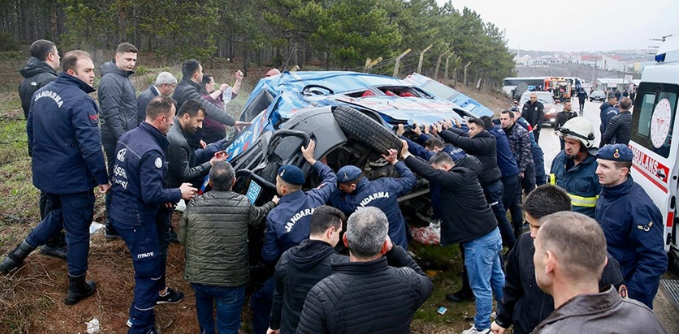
524, 60
590, 60
614, 63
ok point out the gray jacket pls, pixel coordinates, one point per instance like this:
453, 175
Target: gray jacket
604, 312
143, 101
214, 232
117, 101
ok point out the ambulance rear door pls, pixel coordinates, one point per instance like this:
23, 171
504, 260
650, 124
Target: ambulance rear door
654, 124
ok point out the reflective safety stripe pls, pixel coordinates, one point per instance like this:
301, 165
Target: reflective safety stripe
587, 202
552, 179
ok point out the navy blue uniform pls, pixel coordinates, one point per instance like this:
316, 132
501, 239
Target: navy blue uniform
137, 194
68, 162
633, 227
382, 193
288, 223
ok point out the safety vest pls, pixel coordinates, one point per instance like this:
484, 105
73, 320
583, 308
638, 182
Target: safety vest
580, 182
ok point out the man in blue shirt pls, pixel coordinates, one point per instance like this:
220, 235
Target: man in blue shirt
288, 224
356, 191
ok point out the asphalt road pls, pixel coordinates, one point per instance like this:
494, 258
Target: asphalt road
662, 305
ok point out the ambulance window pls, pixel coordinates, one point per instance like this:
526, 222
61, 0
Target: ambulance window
648, 118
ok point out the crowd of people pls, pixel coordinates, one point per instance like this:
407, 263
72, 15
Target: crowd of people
591, 261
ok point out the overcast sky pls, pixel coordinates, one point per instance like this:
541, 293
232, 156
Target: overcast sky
579, 25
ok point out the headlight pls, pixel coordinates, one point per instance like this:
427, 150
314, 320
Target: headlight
552, 111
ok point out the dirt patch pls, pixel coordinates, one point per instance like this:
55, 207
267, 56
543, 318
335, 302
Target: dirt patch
32, 301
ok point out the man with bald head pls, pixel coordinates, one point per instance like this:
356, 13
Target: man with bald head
570, 255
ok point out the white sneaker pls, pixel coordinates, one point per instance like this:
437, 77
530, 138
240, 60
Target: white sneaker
473, 330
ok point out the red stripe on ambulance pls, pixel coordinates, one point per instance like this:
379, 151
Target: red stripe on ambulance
651, 168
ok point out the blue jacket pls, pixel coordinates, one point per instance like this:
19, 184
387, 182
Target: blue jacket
137, 179
633, 227
608, 116
288, 223
382, 193
580, 181
63, 129
505, 158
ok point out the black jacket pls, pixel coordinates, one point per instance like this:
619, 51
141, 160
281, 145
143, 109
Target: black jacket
143, 101
118, 102
619, 130
562, 117
37, 74
483, 146
523, 303
298, 270
189, 90
466, 214
182, 159
375, 297
534, 114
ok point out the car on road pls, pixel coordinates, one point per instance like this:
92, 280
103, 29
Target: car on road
352, 118
547, 100
597, 95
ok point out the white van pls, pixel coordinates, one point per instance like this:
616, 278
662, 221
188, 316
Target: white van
654, 124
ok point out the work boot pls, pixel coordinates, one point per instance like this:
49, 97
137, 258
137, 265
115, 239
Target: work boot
79, 289
56, 251
461, 296
16, 257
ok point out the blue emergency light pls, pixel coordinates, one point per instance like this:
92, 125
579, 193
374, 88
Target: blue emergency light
660, 58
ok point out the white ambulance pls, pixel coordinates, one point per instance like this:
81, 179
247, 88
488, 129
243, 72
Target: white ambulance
654, 125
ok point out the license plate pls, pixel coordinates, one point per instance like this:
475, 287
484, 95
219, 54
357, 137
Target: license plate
253, 191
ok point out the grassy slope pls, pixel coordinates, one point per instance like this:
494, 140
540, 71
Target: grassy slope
31, 300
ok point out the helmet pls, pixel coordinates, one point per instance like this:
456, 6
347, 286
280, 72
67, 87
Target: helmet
580, 129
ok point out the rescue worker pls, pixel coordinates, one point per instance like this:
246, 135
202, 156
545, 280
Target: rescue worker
355, 191
574, 168
138, 172
582, 98
632, 224
534, 112
40, 70
67, 163
288, 224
